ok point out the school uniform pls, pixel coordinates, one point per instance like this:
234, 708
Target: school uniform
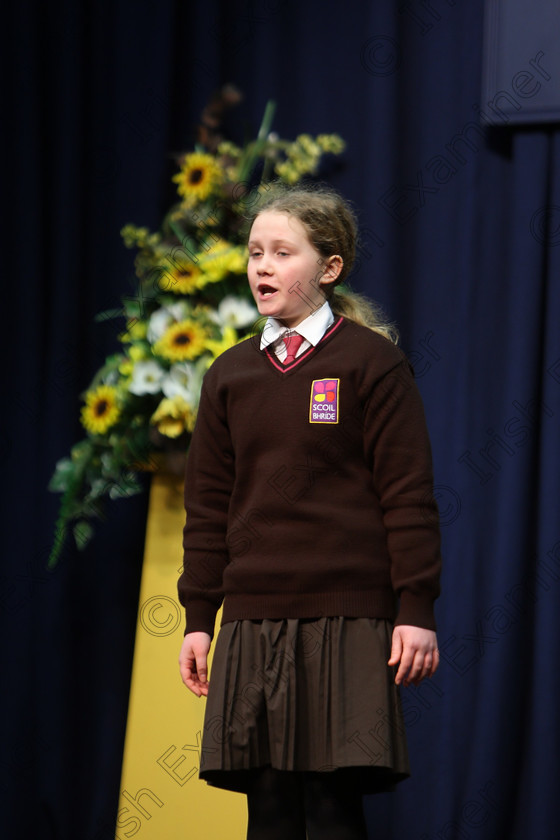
311, 517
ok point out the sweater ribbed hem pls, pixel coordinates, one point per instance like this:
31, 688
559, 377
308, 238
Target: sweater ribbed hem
378, 603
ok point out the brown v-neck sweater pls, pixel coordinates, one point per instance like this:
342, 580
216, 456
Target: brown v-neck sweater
308, 487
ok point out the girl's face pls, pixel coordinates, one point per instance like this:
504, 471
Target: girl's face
286, 273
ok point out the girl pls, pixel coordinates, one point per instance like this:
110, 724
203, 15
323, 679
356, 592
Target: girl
310, 514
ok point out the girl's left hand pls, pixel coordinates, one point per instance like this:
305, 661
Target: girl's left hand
415, 651
193, 662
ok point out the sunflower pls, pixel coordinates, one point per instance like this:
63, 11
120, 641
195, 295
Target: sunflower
222, 260
198, 176
183, 277
101, 410
173, 416
182, 341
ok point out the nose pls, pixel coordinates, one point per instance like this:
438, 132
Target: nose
264, 266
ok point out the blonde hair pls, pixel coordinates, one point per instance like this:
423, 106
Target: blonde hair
332, 228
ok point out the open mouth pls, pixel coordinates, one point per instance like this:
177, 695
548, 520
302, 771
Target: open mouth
266, 291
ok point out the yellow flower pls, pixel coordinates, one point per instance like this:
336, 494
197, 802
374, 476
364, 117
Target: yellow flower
173, 416
101, 410
287, 171
182, 341
135, 330
229, 338
219, 245
137, 353
182, 277
198, 177
229, 149
304, 154
308, 145
126, 368
223, 259
331, 143
134, 236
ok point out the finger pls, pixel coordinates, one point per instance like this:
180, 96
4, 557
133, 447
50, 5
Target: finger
196, 675
202, 668
193, 686
431, 663
421, 667
404, 667
183, 669
435, 662
197, 687
415, 668
396, 649
428, 667
193, 683
187, 667
189, 678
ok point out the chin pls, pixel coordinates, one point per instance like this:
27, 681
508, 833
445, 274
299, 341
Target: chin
268, 312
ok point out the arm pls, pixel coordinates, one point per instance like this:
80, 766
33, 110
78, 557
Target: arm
209, 479
398, 447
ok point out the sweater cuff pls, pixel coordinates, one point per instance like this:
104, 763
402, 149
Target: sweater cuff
416, 610
201, 617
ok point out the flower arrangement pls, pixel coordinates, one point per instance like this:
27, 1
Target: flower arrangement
193, 303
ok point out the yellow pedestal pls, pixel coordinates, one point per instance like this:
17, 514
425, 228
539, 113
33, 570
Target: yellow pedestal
161, 795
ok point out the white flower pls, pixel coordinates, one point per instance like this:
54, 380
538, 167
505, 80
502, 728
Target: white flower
235, 312
162, 318
157, 325
146, 378
178, 310
184, 380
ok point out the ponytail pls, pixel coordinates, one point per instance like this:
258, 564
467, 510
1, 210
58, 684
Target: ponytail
359, 309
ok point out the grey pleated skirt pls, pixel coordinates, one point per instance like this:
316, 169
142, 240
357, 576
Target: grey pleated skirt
305, 696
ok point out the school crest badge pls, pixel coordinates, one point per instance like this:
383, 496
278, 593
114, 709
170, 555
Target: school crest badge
323, 403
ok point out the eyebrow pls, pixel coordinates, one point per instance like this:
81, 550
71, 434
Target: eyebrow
274, 242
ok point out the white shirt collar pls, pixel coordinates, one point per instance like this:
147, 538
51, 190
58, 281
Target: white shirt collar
312, 328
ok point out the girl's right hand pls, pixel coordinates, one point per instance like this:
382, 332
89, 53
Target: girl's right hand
193, 662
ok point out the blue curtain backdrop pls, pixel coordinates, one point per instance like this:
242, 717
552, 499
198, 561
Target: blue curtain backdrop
460, 242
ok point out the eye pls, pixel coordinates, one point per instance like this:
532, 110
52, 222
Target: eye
255, 254
283, 254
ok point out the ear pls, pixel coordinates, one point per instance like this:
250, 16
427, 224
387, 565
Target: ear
332, 268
